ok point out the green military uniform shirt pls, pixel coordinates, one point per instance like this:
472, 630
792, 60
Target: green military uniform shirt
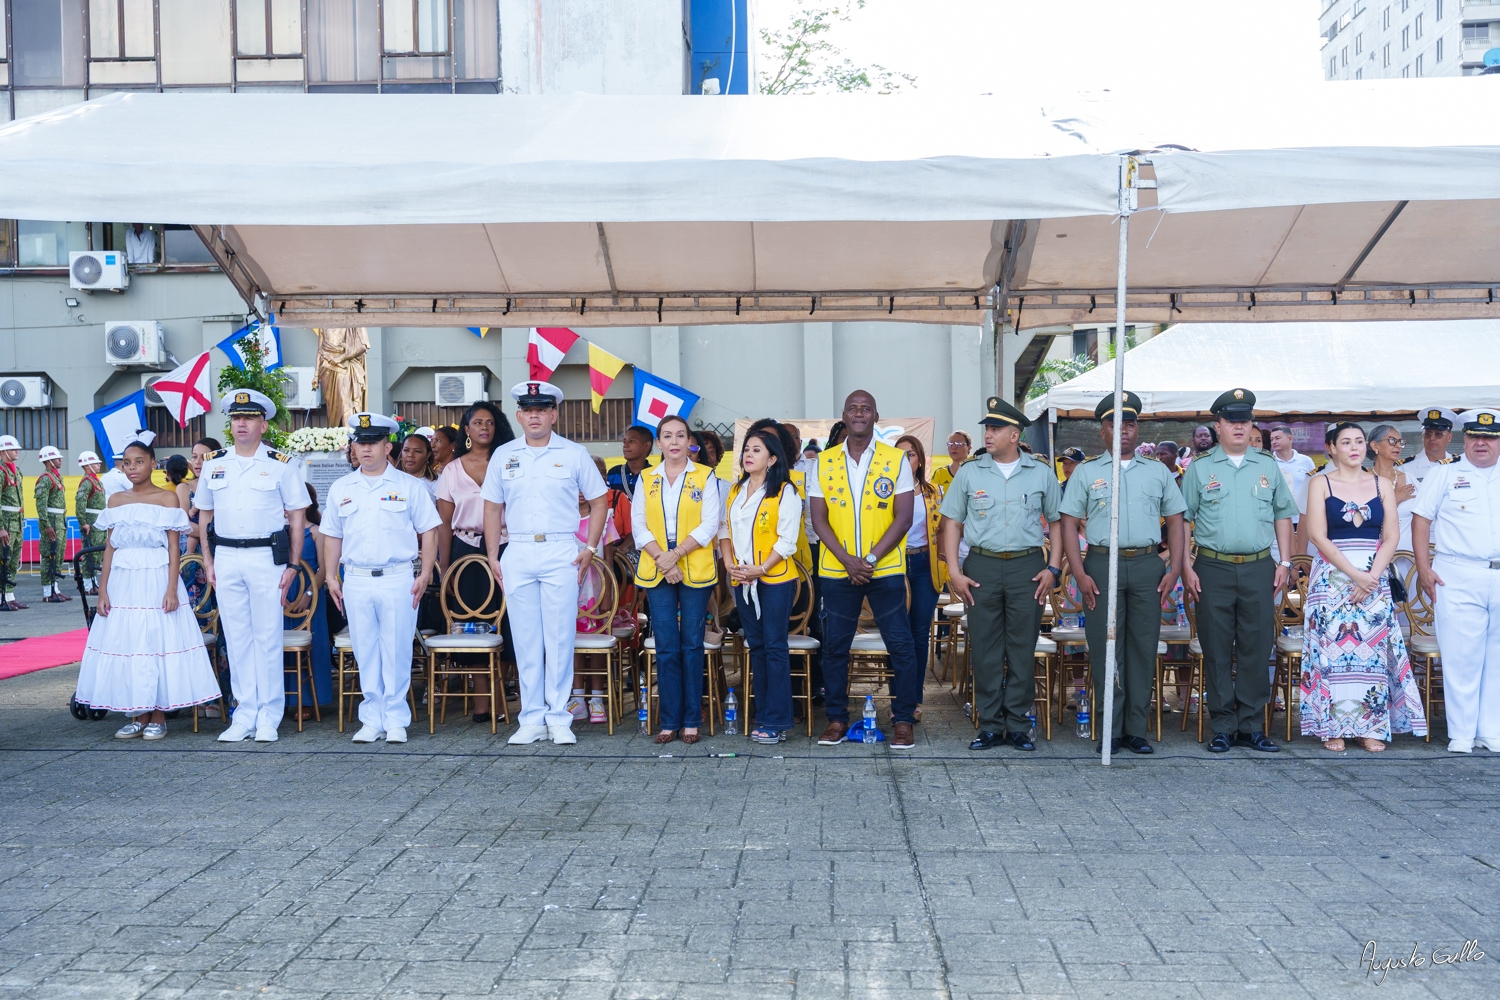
1235, 511
10, 491
1000, 514
88, 502
51, 501
1148, 494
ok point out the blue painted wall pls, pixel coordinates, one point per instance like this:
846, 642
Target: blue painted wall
715, 25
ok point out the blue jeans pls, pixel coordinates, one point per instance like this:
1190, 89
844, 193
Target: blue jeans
678, 617
770, 663
841, 605
923, 604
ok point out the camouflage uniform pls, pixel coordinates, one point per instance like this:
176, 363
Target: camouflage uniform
52, 511
13, 520
87, 504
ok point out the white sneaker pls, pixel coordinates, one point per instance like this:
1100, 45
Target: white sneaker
527, 734
596, 709
578, 707
1490, 744
266, 734
1460, 746
368, 734
396, 735
562, 735
154, 731
236, 732
130, 730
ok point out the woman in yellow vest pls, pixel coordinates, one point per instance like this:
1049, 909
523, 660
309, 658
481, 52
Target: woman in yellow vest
759, 542
926, 574
959, 446
675, 518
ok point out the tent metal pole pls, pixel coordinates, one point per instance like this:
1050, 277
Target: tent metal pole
1128, 168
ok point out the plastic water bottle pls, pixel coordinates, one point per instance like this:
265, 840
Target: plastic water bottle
731, 712
871, 726
1031, 731
1083, 714
643, 713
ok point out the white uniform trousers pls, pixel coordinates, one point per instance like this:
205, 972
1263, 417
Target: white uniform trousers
248, 589
1468, 633
382, 623
541, 598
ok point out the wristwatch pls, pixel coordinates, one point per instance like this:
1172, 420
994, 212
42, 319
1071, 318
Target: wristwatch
1285, 564
871, 558
1056, 571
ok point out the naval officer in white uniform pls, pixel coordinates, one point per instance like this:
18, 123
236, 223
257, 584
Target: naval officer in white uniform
372, 520
1459, 505
247, 494
532, 489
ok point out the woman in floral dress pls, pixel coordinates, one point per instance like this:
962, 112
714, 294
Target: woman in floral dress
1356, 679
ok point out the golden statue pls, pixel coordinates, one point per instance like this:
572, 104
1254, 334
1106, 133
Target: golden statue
341, 371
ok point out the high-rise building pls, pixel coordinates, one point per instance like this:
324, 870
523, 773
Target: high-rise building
1405, 39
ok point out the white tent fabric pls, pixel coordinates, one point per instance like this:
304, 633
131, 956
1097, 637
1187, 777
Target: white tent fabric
1343, 201
1298, 368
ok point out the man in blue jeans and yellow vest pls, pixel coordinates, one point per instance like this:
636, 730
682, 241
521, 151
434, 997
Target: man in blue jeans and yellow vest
861, 510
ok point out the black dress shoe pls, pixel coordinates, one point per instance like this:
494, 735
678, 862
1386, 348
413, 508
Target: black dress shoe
481, 717
1257, 741
1136, 744
1114, 746
985, 741
1220, 743
1021, 741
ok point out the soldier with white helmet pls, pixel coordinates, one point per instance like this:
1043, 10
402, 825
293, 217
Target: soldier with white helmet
12, 522
52, 518
251, 503
88, 504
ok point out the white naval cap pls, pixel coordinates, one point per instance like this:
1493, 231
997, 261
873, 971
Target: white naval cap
427, 432
88, 458
9, 443
247, 403
531, 394
1439, 417
48, 454
1483, 422
370, 427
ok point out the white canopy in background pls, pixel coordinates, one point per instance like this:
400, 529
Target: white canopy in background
1298, 369
1340, 201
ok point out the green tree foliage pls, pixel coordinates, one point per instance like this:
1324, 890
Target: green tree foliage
1053, 373
804, 61
254, 376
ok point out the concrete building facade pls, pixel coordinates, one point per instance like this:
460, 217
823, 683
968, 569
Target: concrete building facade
1406, 39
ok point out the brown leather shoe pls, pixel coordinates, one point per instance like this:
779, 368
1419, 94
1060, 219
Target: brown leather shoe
835, 734
903, 739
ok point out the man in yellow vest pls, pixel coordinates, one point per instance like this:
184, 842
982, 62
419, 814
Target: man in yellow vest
861, 508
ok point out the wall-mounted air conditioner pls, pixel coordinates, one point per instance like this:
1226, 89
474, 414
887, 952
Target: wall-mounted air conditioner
134, 342
300, 388
459, 388
153, 398
96, 270
29, 391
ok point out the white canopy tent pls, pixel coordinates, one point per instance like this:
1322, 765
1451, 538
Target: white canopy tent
1297, 369
1344, 201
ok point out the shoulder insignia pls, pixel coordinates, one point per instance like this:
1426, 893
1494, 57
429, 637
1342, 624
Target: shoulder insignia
1406, 460
1449, 460
971, 458
278, 455
220, 453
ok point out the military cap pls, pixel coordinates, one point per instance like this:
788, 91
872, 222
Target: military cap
1106, 408
534, 394
248, 403
1482, 423
371, 427
1440, 418
1236, 404
999, 413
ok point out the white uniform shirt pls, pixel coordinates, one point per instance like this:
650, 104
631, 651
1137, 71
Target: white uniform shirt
1419, 465
379, 517
249, 496
114, 481
857, 472
540, 486
1463, 504
671, 497
140, 249
739, 524
1297, 470
916, 538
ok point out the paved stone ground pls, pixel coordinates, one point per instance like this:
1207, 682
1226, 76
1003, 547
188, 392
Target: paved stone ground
460, 867
38, 618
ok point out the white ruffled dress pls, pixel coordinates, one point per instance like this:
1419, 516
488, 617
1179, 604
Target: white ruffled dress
139, 658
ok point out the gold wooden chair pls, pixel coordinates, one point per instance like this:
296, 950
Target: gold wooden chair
190, 571
869, 660
1291, 610
1197, 677
296, 642
1422, 648
713, 649
599, 640
801, 646
1070, 640
445, 649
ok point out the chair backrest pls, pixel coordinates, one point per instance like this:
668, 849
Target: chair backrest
1294, 594
1191, 607
600, 615
1420, 612
867, 617
802, 603
200, 593
1065, 598
302, 584
450, 598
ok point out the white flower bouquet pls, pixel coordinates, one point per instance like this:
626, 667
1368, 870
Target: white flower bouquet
309, 439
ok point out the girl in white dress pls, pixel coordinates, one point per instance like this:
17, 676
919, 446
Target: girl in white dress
145, 654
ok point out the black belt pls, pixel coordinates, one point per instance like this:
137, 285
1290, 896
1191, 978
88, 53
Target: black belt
1124, 553
1005, 555
243, 543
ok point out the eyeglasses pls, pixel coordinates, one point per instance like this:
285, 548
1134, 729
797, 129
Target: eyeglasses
693, 448
1394, 442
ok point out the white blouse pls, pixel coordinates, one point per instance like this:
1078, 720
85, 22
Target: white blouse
739, 526
671, 497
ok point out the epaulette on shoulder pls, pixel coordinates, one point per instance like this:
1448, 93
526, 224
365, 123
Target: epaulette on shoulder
971, 458
220, 453
279, 456
1449, 460
1409, 458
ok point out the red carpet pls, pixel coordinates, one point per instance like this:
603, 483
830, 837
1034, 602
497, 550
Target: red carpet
44, 651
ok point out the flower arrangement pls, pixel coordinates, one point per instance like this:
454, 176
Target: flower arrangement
307, 439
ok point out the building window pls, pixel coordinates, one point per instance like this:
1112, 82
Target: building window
46, 244
1406, 71
343, 41
1385, 19
1359, 74
122, 31
1344, 56
416, 27
1333, 68
268, 27
1437, 15
47, 43
1418, 25
36, 427
1419, 65
1437, 51
1359, 43
195, 42
1405, 6
1476, 32
1385, 56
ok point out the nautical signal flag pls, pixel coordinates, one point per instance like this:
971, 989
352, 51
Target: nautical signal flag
603, 368
480, 331
545, 349
656, 399
268, 335
185, 390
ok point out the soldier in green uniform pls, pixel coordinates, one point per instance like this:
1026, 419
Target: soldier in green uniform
12, 522
88, 503
1148, 494
1238, 503
997, 501
52, 518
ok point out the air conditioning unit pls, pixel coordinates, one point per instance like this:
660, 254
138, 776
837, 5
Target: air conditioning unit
153, 398
94, 270
136, 342
300, 388
29, 391
459, 388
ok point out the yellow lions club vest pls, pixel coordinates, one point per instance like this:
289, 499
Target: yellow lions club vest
876, 504
934, 520
803, 556
698, 569
764, 537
